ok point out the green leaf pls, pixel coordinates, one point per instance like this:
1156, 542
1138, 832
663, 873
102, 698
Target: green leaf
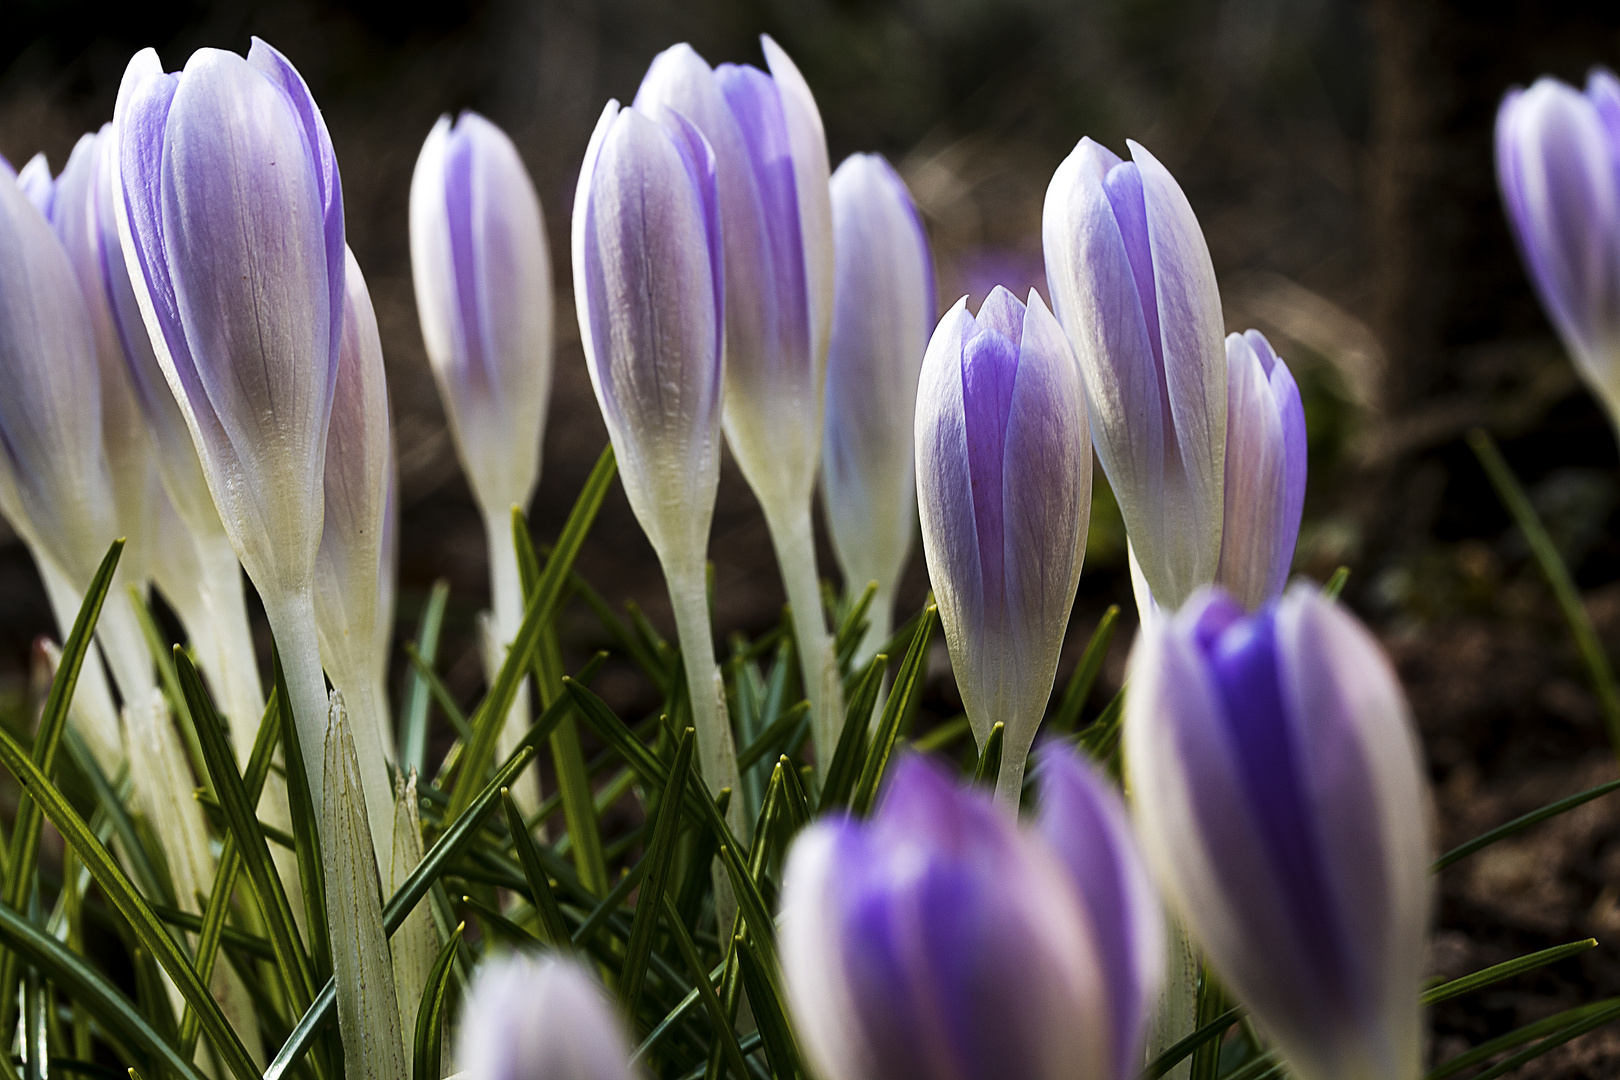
24, 852
121, 893
726, 1036
1085, 674
855, 625
447, 848
306, 833
1180, 1050
660, 856
297, 975
1519, 824
1558, 578
1591, 1021
1602, 1011
851, 749
1505, 970
1335, 584
413, 725
775, 735
89, 988
491, 714
544, 900
646, 659
989, 765
1212, 1004
944, 735
423, 675
897, 713
163, 658
770, 1013
430, 1013
1100, 738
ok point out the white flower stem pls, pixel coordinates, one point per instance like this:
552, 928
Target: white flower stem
795, 543
292, 621
506, 603
236, 676
125, 646
1010, 779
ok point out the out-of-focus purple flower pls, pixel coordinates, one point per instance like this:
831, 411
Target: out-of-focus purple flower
1265, 471
231, 213
483, 291
1278, 793
1558, 164
540, 1018
939, 939
354, 569
772, 174
1133, 284
883, 311
1004, 492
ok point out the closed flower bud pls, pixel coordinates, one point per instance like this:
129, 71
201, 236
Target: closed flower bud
1265, 471
483, 291
354, 569
1134, 287
940, 940
883, 311
539, 1018
1558, 164
1275, 776
1004, 492
231, 214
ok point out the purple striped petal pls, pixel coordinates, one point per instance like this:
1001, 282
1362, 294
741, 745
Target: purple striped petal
1277, 790
482, 273
884, 310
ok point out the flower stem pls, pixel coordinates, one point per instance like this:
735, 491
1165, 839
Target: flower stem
506, 606
236, 664
795, 543
292, 621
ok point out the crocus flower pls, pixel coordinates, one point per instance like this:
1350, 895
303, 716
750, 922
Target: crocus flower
772, 174
1265, 471
648, 284
354, 601
1558, 164
539, 1018
1133, 285
939, 940
883, 311
231, 214
1275, 776
1004, 491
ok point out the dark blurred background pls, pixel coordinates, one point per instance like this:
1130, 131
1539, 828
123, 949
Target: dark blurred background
1338, 154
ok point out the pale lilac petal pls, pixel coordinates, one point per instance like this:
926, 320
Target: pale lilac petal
884, 310
530, 1017
36, 183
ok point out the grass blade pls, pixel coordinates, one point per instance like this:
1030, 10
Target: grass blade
306, 836
1085, 674
430, 1013
770, 1012
413, 721
1335, 584
1505, 970
660, 856
1519, 824
897, 712
725, 1034
851, 750
540, 894
989, 766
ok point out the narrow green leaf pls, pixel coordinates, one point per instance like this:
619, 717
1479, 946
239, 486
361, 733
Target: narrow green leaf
1519, 824
88, 987
1179, 1051
1100, 738
413, 725
770, 1013
897, 713
726, 1036
944, 735
540, 894
1609, 1007
660, 856
854, 626
430, 1013
774, 737
795, 800
1335, 584
1590, 1022
989, 765
1558, 578
1505, 970
1212, 1003
851, 749
163, 658
1085, 674
646, 659
423, 675
306, 832
297, 975
491, 714
121, 893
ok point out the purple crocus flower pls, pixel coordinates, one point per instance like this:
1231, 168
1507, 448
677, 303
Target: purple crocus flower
540, 1018
1278, 792
231, 216
1133, 284
1004, 492
1558, 164
939, 941
883, 311
771, 173
1265, 471
649, 287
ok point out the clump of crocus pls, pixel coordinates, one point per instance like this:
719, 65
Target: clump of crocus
649, 285
1134, 287
1004, 491
1558, 164
231, 213
772, 174
883, 312
1265, 471
483, 290
941, 940
1275, 777
531, 1017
